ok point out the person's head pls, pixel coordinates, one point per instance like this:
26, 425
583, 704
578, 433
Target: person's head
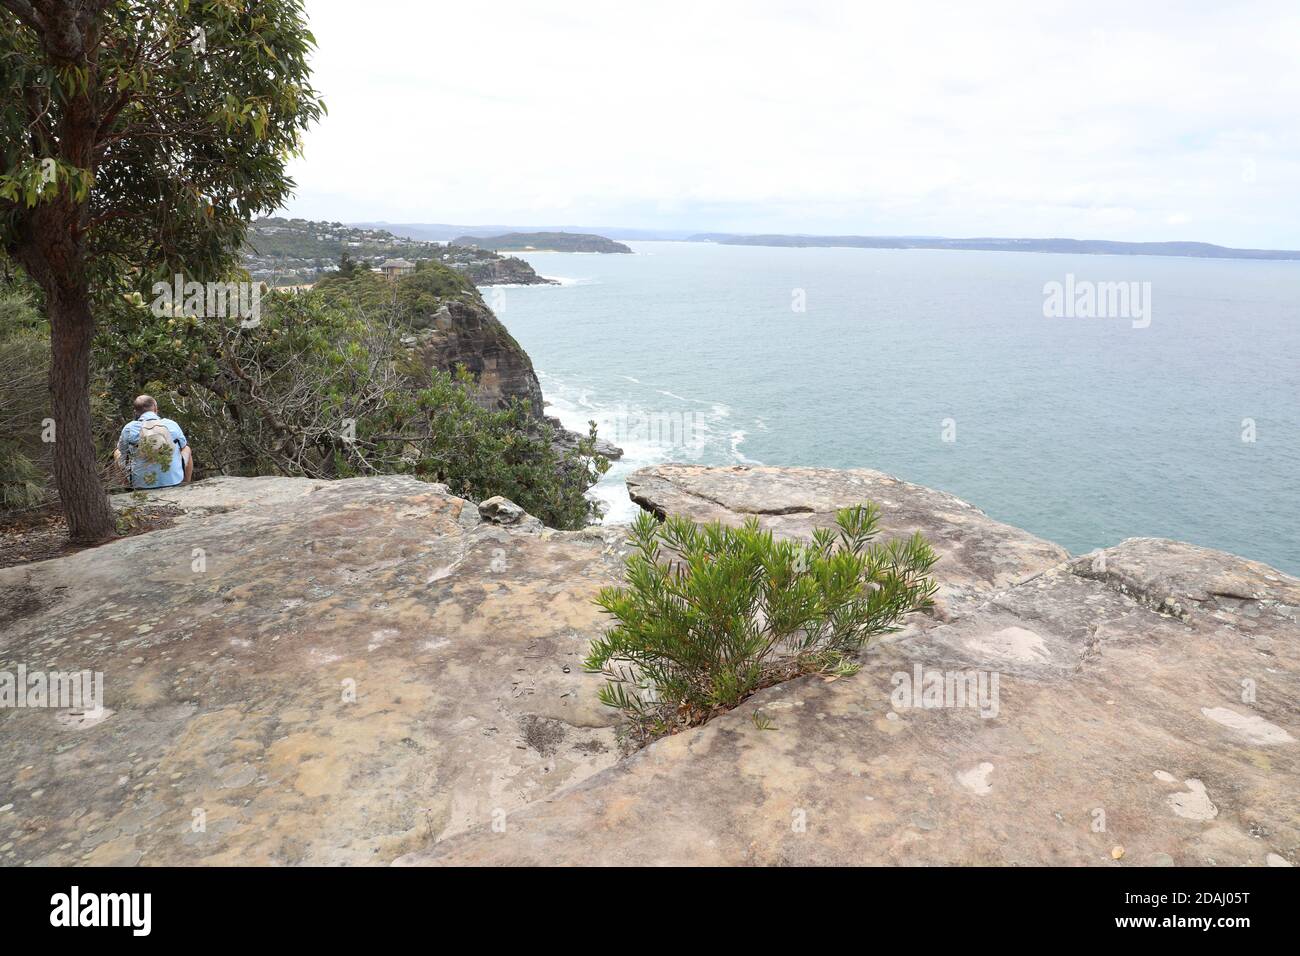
145, 403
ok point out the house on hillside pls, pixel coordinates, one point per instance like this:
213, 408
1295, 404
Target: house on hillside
396, 268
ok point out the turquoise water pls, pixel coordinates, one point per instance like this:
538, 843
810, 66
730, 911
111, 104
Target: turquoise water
1082, 430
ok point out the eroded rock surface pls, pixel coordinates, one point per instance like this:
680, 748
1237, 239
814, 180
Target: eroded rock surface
463, 331
1170, 732
368, 671
301, 672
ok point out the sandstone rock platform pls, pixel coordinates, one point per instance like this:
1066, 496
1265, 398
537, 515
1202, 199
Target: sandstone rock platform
1146, 707
317, 672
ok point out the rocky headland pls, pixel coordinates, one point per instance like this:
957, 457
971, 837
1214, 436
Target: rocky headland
375, 671
461, 330
457, 330
543, 242
489, 269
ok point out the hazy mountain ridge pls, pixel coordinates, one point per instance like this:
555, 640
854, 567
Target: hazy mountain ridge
1099, 247
1182, 249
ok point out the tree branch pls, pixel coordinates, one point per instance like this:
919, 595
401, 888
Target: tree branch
27, 14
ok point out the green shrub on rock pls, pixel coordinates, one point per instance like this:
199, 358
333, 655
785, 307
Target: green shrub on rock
709, 614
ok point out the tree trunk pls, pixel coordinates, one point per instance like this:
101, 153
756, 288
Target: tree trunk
76, 471
50, 244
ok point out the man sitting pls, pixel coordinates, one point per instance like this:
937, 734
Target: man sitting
153, 451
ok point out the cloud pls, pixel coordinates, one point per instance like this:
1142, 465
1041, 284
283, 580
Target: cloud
1103, 119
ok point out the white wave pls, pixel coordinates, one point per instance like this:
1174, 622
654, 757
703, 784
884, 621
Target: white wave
647, 437
571, 280
719, 408
737, 439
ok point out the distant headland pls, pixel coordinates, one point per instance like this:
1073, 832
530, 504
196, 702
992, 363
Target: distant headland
542, 242
485, 235
1094, 247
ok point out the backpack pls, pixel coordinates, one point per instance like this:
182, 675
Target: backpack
154, 446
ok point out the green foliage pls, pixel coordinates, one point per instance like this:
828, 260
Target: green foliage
22, 482
24, 400
416, 297
324, 387
193, 110
277, 399
348, 266
480, 453
137, 140
357, 287
431, 280
131, 519
709, 614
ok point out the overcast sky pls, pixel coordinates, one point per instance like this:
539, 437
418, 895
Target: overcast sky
1124, 120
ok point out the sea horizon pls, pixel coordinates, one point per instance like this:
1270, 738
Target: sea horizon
943, 371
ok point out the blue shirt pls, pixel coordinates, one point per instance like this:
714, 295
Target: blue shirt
144, 474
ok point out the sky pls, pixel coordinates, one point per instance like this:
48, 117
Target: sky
1138, 121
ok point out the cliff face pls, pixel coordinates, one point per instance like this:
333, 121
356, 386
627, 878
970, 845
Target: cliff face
372, 669
456, 327
448, 324
462, 330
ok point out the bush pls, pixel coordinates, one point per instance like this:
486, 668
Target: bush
710, 614
24, 400
324, 387
327, 385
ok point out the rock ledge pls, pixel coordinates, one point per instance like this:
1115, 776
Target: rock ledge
368, 671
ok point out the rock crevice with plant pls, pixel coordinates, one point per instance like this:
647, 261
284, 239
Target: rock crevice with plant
709, 614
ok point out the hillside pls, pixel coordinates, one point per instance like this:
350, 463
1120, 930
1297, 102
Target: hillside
300, 251
446, 231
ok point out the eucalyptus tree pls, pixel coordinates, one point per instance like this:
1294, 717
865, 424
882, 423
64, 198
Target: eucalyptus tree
137, 141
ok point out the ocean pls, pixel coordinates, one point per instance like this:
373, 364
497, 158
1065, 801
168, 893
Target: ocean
1167, 406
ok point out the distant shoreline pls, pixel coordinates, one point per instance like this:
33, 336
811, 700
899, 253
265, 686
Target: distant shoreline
567, 252
1095, 247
